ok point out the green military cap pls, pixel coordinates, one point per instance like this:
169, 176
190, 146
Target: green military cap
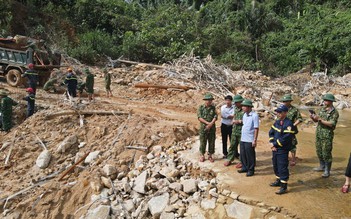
247, 102
208, 97
238, 98
286, 98
86, 70
329, 97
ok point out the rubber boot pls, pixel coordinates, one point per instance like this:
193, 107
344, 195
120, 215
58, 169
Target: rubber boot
283, 189
321, 166
327, 168
276, 183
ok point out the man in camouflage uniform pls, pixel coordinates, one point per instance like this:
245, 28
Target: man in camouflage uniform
107, 77
236, 132
327, 119
207, 116
6, 110
89, 84
293, 115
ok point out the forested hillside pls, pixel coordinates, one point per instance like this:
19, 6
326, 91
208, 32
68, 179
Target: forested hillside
275, 36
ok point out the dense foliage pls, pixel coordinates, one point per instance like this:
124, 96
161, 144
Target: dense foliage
275, 36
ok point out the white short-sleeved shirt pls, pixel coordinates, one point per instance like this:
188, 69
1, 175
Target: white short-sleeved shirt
225, 113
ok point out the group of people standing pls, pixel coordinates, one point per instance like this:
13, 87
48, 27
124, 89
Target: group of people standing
240, 124
32, 75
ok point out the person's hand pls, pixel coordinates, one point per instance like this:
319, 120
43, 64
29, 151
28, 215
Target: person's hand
230, 117
209, 126
274, 148
254, 143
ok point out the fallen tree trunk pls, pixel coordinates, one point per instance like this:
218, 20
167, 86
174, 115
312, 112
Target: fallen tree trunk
141, 85
94, 112
137, 63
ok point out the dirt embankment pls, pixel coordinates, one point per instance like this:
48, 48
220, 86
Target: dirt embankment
136, 132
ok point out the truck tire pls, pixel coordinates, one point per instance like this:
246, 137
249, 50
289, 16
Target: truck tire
14, 78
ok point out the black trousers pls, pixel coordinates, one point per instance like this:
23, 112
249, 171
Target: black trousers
280, 160
247, 156
226, 131
348, 168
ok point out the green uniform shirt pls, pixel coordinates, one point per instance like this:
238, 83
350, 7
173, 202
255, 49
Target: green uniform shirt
238, 115
323, 131
89, 83
207, 113
6, 110
294, 114
49, 84
108, 79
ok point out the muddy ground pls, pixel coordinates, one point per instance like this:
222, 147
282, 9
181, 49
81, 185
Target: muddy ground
156, 117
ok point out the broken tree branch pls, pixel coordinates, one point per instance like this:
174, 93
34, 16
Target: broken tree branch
93, 112
40, 141
142, 148
10, 151
141, 85
120, 130
73, 166
140, 63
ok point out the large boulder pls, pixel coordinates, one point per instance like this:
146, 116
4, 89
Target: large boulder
102, 211
139, 183
239, 210
67, 143
158, 204
189, 186
91, 157
43, 159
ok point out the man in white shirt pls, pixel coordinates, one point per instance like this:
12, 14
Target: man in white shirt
227, 114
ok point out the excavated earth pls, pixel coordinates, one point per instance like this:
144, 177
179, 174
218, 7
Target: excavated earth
141, 130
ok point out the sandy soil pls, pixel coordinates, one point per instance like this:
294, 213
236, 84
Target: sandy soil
159, 117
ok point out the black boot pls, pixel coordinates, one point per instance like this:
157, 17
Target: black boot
327, 168
283, 189
276, 183
321, 166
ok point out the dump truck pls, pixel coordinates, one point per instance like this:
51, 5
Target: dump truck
17, 53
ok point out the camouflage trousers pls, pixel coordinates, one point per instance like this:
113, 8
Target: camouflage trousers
324, 147
233, 149
294, 143
210, 137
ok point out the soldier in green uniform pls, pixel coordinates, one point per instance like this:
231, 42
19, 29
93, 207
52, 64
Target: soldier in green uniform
89, 84
6, 110
327, 119
107, 76
293, 115
50, 85
236, 132
207, 116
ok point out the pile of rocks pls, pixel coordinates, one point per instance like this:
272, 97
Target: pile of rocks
164, 185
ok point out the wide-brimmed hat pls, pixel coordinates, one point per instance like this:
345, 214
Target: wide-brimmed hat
329, 97
286, 98
282, 108
238, 98
208, 97
247, 102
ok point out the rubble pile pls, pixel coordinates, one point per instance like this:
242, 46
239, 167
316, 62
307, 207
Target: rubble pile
164, 185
